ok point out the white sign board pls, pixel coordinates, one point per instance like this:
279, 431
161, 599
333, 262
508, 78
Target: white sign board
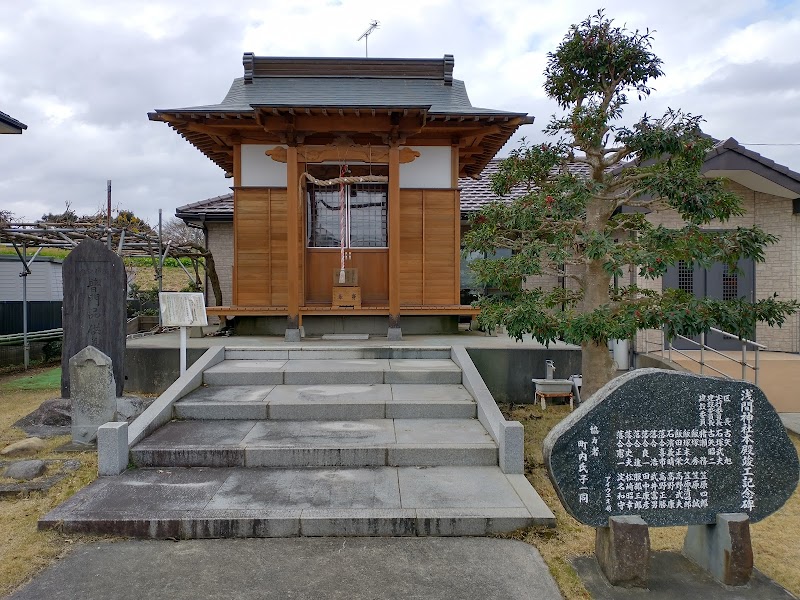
182, 309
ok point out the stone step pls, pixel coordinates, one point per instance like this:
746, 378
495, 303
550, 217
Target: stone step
328, 402
332, 371
236, 502
337, 352
368, 442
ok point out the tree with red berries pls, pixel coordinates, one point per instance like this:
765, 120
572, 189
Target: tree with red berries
578, 227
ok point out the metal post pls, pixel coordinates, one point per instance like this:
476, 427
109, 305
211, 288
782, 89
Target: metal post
26, 348
755, 377
702, 351
183, 350
160, 264
108, 214
744, 361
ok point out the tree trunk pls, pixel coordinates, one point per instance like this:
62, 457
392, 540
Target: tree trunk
597, 368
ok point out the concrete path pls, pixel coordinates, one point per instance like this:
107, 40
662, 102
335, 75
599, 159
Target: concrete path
300, 569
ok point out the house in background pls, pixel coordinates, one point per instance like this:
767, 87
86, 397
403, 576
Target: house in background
45, 294
8, 124
289, 127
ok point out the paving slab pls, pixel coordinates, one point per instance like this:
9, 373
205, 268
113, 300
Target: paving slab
674, 576
198, 433
332, 371
331, 434
441, 431
456, 487
245, 372
275, 489
229, 393
303, 568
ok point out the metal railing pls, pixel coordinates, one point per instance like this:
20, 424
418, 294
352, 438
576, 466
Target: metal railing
703, 347
19, 339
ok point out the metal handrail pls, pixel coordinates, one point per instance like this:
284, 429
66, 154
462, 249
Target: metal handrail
15, 339
703, 347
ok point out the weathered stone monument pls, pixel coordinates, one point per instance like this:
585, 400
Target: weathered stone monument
94, 393
94, 308
659, 448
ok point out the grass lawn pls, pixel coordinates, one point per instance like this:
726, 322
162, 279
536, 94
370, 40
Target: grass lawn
776, 548
23, 549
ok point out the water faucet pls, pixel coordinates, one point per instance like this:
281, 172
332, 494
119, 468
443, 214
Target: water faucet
549, 369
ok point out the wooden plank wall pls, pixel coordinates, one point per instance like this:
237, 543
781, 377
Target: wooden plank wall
429, 270
261, 252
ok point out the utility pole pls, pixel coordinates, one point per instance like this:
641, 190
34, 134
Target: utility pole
108, 213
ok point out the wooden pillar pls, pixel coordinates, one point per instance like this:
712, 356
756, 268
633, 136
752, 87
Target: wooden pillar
293, 263
394, 241
237, 181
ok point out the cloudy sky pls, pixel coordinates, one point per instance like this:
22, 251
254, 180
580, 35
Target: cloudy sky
82, 74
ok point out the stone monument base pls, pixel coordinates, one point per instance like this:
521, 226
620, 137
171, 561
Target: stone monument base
723, 549
623, 551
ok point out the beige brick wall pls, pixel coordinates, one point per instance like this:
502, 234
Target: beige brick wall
778, 273
220, 243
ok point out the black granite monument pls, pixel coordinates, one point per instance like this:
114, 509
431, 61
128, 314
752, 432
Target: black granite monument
672, 449
94, 307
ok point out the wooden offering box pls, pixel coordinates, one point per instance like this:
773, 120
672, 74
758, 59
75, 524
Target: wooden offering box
346, 296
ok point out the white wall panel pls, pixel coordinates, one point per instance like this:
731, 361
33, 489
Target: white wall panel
258, 169
430, 170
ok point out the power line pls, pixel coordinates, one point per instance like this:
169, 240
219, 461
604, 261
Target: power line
752, 144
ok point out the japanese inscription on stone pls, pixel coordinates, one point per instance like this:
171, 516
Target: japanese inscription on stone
182, 309
94, 308
674, 448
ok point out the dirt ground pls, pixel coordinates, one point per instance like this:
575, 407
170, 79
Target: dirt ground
776, 541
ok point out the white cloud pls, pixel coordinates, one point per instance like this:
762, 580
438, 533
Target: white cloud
83, 74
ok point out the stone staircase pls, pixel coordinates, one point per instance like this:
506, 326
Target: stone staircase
314, 442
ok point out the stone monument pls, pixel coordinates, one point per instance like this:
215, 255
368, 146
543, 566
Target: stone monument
660, 448
94, 393
94, 308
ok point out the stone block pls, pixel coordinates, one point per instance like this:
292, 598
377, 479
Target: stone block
221, 410
466, 455
25, 470
348, 522
30, 445
512, 447
292, 335
723, 549
394, 334
422, 376
623, 551
93, 393
112, 448
315, 457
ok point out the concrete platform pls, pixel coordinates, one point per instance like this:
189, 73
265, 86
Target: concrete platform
260, 502
305, 568
366, 442
791, 421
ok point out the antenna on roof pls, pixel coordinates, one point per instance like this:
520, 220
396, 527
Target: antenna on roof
373, 25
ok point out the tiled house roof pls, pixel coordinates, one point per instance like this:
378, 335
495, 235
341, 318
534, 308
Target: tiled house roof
9, 124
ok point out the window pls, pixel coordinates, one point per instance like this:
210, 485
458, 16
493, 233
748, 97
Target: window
686, 276
360, 216
730, 283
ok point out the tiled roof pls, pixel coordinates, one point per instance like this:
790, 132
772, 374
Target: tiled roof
219, 208
731, 144
10, 121
474, 194
341, 92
